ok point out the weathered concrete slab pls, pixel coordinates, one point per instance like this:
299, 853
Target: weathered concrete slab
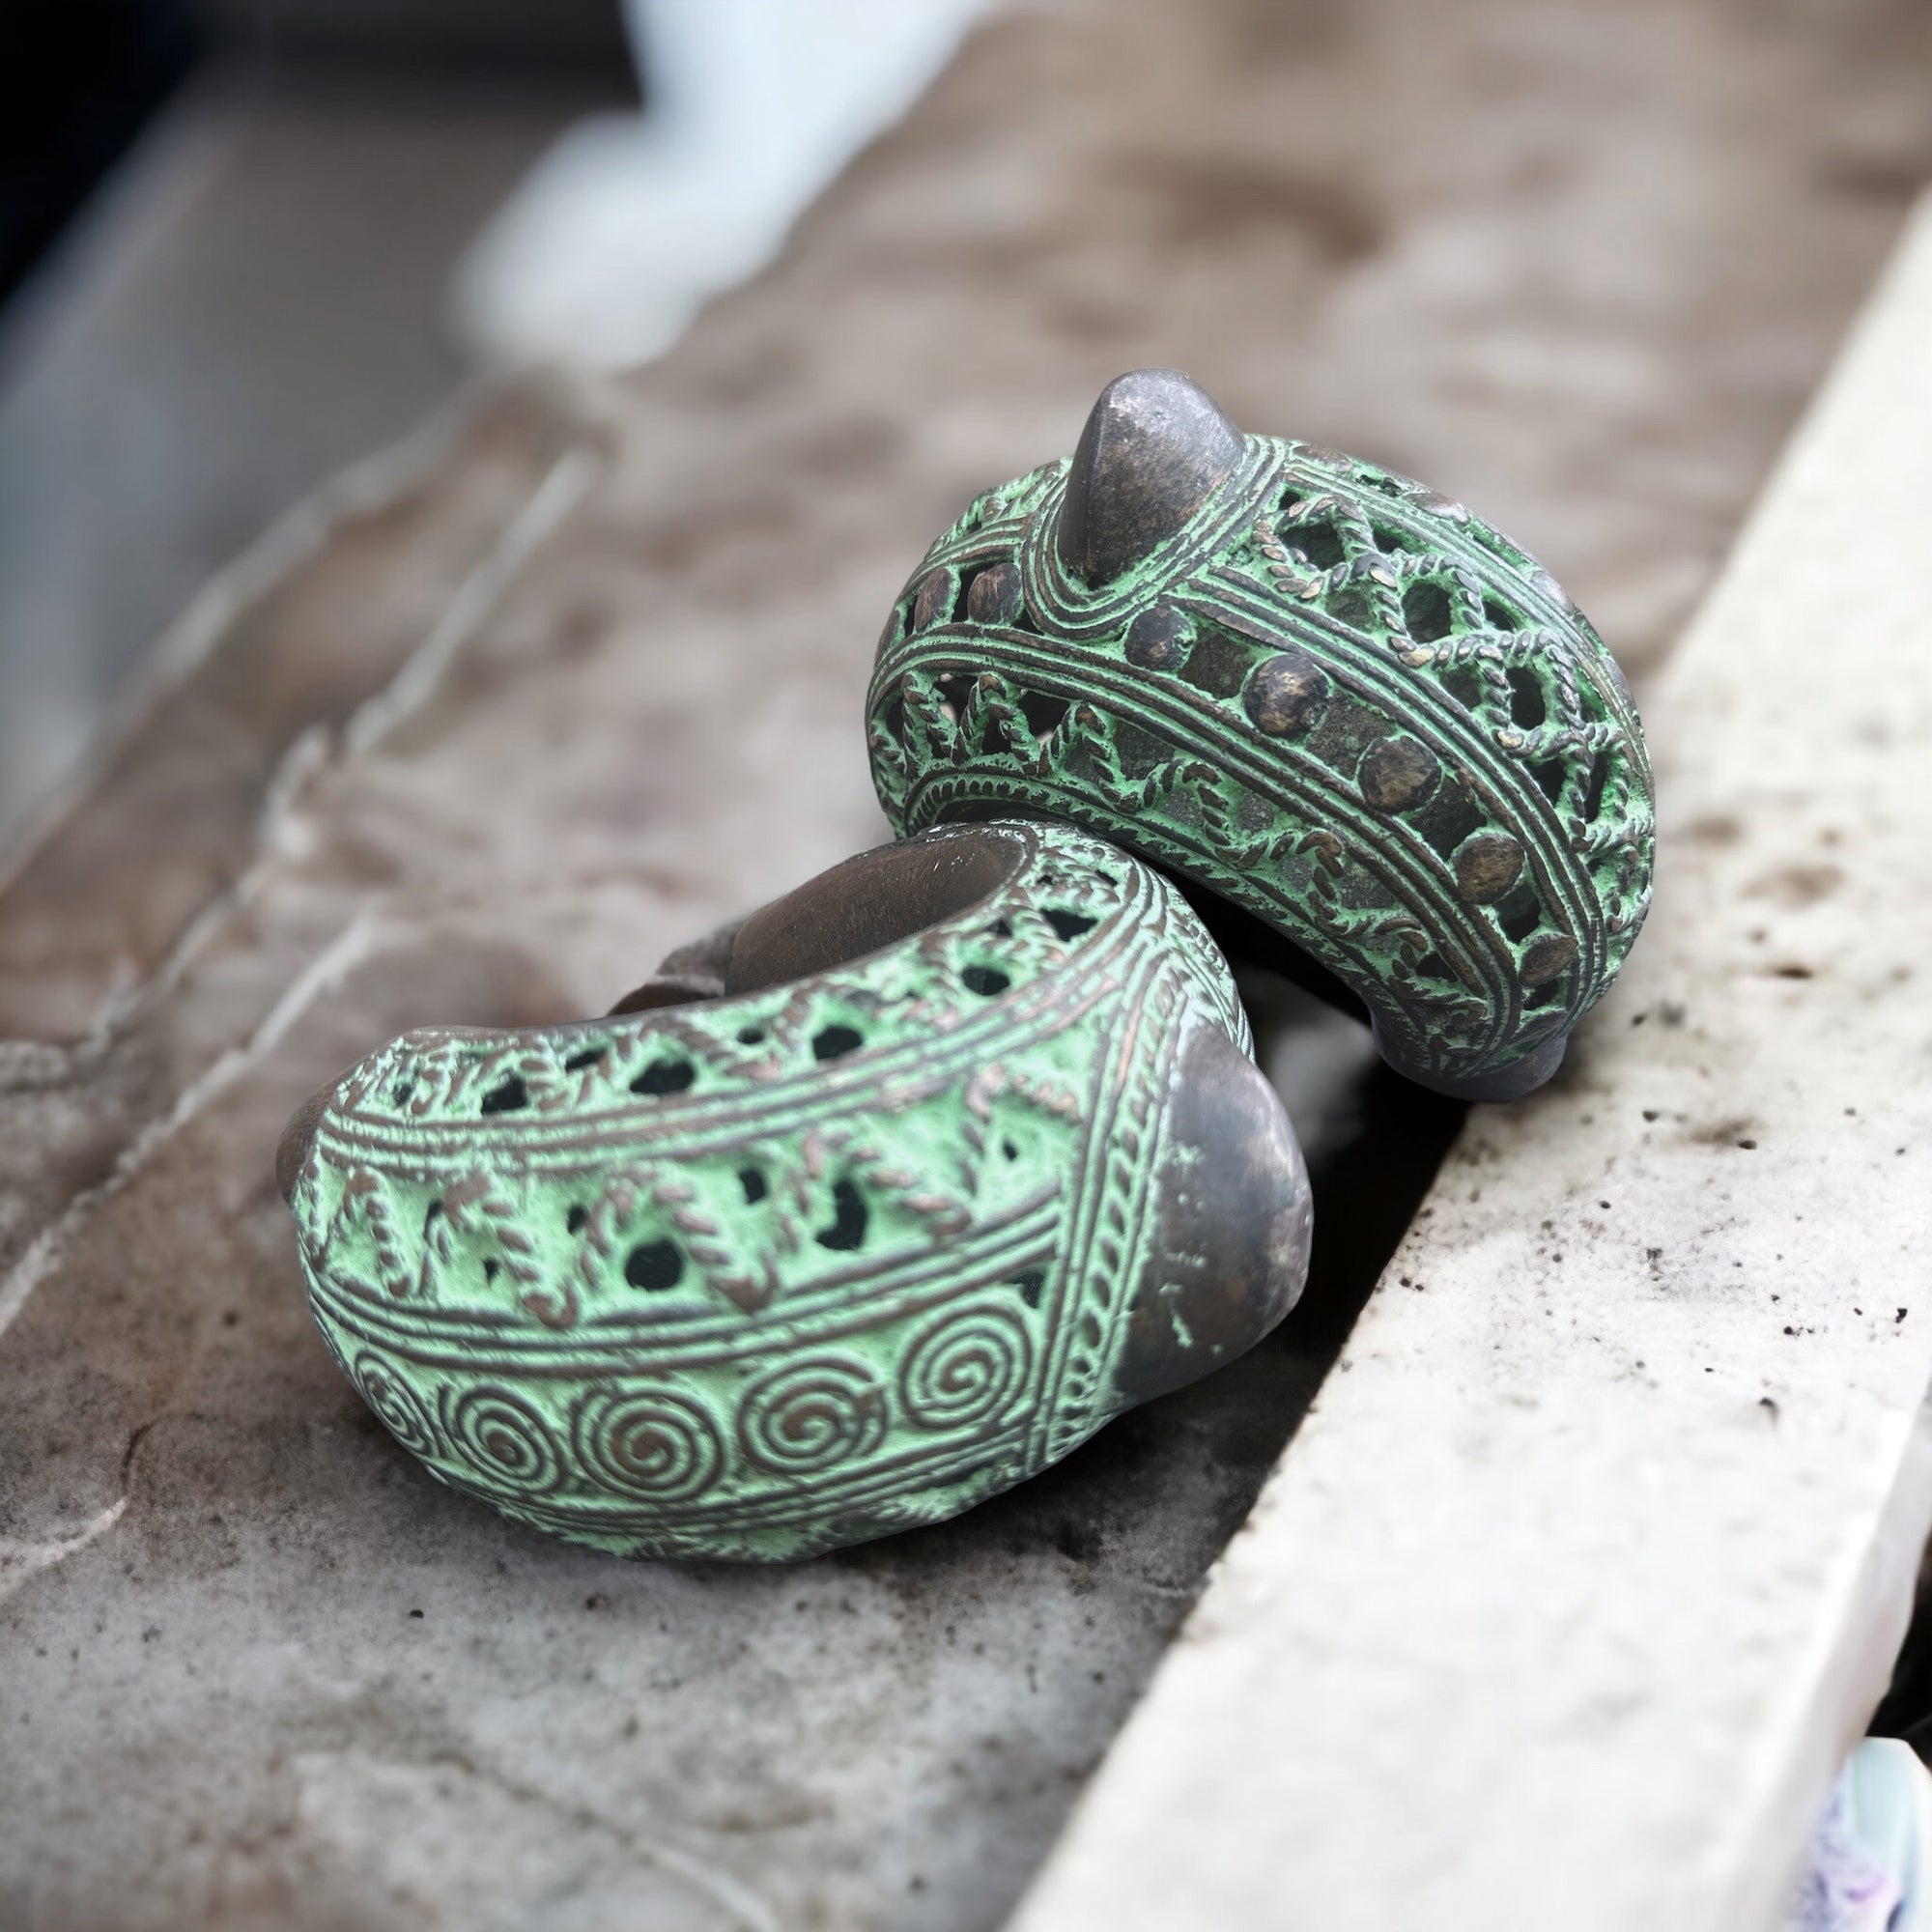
1594, 1556
594, 684
253, 300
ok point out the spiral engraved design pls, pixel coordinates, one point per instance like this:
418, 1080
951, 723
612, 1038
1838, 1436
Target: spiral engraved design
967, 1367
504, 1440
648, 1442
398, 1407
812, 1416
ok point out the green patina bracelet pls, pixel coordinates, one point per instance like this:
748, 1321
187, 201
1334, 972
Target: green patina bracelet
1307, 685
874, 1205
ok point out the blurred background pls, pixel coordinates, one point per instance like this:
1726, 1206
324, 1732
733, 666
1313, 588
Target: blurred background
1598, 253
244, 243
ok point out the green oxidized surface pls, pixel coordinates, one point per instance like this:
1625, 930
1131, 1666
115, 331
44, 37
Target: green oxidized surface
757, 1275
1332, 696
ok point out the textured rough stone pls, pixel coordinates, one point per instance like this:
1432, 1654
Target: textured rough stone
1593, 1562
603, 666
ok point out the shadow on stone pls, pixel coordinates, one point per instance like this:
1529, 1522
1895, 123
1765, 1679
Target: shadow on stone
1142, 1510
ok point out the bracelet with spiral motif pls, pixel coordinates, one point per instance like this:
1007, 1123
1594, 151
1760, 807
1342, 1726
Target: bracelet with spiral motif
863, 1210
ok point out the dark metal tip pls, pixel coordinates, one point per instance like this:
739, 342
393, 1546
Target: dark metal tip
1498, 1087
1153, 448
1235, 1218
298, 1139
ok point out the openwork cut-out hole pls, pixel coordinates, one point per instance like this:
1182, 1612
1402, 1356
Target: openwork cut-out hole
665, 1076
849, 1218
654, 1267
834, 1042
1425, 610
1320, 543
507, 1096
1528, 707
1600, 779
1519, 916
1042, 713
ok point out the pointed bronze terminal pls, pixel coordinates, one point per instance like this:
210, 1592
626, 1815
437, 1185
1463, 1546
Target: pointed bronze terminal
1153, 450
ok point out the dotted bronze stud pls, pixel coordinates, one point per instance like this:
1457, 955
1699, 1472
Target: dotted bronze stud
1157, 639
994, 596
1397, 774
1286, 694
1486, 866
